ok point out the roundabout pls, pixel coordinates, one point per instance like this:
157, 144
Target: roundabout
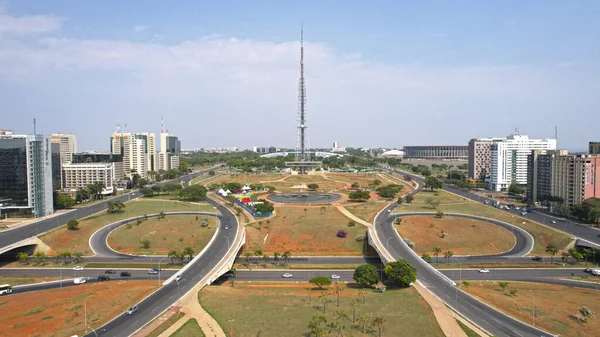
305, 197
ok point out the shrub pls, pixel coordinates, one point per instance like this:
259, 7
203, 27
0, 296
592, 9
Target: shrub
410, 243
351, 223
439, 214
398, 221
426, 257
513, 292
341, 233
145, 244
72, 225
361, 238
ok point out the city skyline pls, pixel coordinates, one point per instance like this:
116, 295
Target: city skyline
461, 66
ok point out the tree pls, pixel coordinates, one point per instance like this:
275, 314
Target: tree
161, 215
258, 253
320, 281
78, 256
354, 303
588, 210
363, 293
379, 322
432, 183
448, 254
211, 173
355, 185
316, 326
503, 285
325, 300
515, 189
338, 289
426, 257
409, 199
359, 195
466, 284
264, 207
376, 182
266, 259
22, 257
400, 272
276, 256
82, 195
96, 189
173, 254
565, 257
147, 192
145, 244
439, 214
398, 220
550, 248
313, 187
584, 314
72, 225
432, 202
337, 325
63, 201
193, 193
400, 201
189, 252
115, 206
286, 256
436, 252
41, 257
247, 257
366, 275
363, 320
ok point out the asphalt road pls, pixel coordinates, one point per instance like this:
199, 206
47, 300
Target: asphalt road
576, 229
477, 312
33, 229
99, 240
522, 246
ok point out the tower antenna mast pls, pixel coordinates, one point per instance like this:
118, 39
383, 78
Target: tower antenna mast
302, 124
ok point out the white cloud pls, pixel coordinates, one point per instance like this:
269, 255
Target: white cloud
139, 28
28, 24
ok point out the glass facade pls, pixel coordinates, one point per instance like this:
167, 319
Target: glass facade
97, 158
13, 172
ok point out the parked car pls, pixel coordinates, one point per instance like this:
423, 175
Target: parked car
103, 278
79, 280
484, 270
153, 271
77, 268
132, 310
178, 277
125, 274
537, 258
287, 275
335, 277
110, 271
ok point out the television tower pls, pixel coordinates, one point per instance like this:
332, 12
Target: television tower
302, 124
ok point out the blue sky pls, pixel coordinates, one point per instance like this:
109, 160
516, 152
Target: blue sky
391, 74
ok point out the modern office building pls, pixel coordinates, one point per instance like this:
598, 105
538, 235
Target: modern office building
81, 175
508, 160
594, 148
56, 166
264, 149
25, 175
479, 160
572, 178
126, 143
102, 157
170, 148
436, 152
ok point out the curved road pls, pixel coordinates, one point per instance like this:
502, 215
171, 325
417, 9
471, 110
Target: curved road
14, 235
99, 240
524, 240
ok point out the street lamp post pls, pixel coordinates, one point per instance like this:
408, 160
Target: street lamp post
159, 270
95, 333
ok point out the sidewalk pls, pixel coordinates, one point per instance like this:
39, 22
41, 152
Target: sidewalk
157, 322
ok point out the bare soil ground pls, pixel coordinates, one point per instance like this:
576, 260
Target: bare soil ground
252, 308
451, 203
60, 312
463, 236
555, 306
310, 232
174, 232
63, 239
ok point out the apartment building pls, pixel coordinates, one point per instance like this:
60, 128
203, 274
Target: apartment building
572, 178
63, 145
102, 157
139, 157
508, 160
80, 175
25, 175
129, 146
480, 157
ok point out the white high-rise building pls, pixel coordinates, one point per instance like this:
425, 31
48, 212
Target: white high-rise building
139, 157
508, 160
126, 143
81, 175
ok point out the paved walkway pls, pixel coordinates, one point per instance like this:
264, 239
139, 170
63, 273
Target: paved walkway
353, 217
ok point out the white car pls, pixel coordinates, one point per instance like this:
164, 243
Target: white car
553, 221
484, 270
153, 271
178, 277
287, 275
79, 280
131, 310
335, 277
77, 268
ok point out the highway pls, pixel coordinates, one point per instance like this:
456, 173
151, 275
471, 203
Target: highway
19, 233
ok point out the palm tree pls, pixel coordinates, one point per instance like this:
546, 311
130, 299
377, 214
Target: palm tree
587, 252
286, 256
325, 299
338, 289
173, 254
316, 327
448, 254
338, 325
189, 251
436, 252
354, 303
41, 257
59, 256
66, 255
552, 250
78, 256
257, 252
565, 257
248, 255
23, 257
276, 256
379, 321
363, 320
266, 259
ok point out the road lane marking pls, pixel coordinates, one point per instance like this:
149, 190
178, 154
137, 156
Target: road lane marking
486, 322
132, 324
154, 308
495, 320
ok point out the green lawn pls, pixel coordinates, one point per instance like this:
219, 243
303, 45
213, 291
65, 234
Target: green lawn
366, 210
174, 232
63, 239
189, 329
286, 310
451, 203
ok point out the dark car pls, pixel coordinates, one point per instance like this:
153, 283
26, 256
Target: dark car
110, 272
125, 273
537, 258
103, 278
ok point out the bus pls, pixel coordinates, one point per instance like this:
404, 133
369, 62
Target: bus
5, 289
